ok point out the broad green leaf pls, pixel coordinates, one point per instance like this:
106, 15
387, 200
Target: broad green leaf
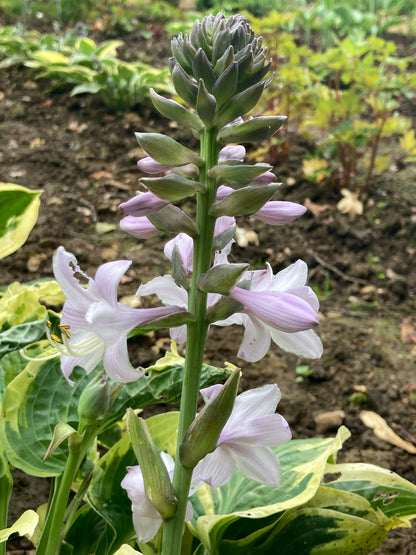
347, 525
384, 490
87, 528
50, 57
35, 401
39, 397
303, 464
19, 209
24, 526
106, 495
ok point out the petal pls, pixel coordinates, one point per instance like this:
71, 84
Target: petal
64, 267
257, 402
264, 179
223, 223
107, 279
231, 152
280, 310
260, 464
256, 341
139, 227
87, 362
209, 393
178, 334
148, 165
166, 289
133, 483
307, 294
302, 343
117, 363
277, 212
143, 204
185, 248
266, 431
146, 521
293, 276
217, 467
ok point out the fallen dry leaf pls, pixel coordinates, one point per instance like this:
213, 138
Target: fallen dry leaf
330, 420
315, 208
407, 332
37, 142
245, 236
383, 431
350, 204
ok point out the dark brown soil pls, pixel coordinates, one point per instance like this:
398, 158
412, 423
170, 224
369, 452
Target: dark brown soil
84, 159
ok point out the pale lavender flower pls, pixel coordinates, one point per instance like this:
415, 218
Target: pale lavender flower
273, 212
280, 308
279, 212
231, 152
146, 519
143, 204
94, 324
139, 227
246, 439
185, 249
185, 245
149, 165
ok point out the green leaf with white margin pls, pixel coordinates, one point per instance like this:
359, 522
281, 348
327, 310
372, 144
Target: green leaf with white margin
383, 489
331, 522
19, 209
39, 397
303, 463
24, 526
105, 494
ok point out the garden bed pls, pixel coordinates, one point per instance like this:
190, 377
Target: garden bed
84, 158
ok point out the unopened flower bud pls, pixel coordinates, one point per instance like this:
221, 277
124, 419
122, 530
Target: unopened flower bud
202, 436
94, 402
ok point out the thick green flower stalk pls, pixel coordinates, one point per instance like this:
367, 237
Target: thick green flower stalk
220, 70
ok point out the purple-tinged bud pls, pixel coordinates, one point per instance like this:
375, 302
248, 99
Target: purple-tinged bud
229, 153
143, 204
279, 212
141, 227
148, 165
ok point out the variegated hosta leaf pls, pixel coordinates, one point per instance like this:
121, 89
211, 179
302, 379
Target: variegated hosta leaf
303, 464
39, 397
24, 526
19, 209
383, 489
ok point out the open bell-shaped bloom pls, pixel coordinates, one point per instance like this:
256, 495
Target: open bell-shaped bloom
280, 308
246, 439
146, 519
94, 324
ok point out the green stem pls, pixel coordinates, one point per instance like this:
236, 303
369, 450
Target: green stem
6, 485
196, 339
51, 539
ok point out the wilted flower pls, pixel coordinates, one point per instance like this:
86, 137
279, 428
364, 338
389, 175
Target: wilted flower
94, 324
146, 519
246, 439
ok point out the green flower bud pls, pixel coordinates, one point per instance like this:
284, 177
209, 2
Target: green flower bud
238, 175
231, 61
220, 278
157, 484
172, 187
244, 202
251, 131
94, 402
202, 436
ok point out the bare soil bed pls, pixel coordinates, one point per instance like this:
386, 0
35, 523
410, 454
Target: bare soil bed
84, 158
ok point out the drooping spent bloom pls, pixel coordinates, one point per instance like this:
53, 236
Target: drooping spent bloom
246, 439
280, 308
94, 324
146, 519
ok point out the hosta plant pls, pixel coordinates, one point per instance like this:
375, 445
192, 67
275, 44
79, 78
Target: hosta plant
222, 479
